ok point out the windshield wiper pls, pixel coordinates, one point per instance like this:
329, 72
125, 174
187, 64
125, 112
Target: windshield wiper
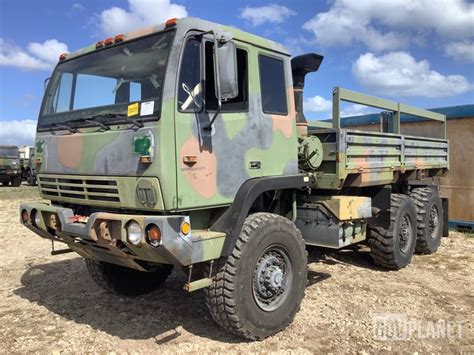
69, 128
100, 124
136, 123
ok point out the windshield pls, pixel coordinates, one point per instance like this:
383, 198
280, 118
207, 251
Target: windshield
107, 81
8, 152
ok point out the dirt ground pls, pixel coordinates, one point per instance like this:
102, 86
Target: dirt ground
49, 303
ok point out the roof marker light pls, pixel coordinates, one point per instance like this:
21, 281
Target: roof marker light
99, 44
119, 38
171, 22
63, 56
109, 41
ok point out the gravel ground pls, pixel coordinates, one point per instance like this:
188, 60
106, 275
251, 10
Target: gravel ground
49, 303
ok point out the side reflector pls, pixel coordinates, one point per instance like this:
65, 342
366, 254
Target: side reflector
185, 228
190, 159
170, 22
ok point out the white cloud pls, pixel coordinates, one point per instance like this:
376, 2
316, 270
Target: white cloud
38, 56
399, 74
357, 110
382, 25
271, 13
48, 51
463, 51
77, 7
140, 13
317, 104
18, 132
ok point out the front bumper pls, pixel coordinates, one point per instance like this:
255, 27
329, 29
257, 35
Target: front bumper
103, 236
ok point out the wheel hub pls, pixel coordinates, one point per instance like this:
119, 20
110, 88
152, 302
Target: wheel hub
271, 279
405, 233
434, 222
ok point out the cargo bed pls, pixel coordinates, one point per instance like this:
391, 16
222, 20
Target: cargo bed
359, 158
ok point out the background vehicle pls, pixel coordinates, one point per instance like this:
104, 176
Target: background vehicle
187, 145
10, 165
27, 163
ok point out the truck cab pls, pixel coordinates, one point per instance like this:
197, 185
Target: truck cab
10, 172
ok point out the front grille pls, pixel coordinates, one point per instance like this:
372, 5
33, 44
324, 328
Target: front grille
104, 189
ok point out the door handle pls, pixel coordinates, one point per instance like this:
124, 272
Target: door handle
255, 165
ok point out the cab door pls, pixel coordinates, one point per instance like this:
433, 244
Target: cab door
213, 162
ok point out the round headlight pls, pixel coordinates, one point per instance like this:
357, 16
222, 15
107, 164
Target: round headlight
134, 233
35, 218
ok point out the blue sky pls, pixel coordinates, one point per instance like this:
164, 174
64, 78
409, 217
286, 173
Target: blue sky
420, 52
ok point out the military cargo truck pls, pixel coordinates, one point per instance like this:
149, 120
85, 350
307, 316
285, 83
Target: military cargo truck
10, 165
185, 144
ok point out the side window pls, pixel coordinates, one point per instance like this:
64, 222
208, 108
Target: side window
272, 85
189, 84
240, 103
62, 97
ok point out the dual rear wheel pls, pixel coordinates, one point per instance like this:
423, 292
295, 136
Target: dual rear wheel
416, 225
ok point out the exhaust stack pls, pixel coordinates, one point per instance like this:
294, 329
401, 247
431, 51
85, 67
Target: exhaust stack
300, 66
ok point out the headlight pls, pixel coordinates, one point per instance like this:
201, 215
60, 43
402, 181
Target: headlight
35, 218
134, 233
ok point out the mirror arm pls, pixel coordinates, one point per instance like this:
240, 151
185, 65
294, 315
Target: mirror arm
218, 83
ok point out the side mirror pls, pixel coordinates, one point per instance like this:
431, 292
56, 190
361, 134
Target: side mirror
225, 55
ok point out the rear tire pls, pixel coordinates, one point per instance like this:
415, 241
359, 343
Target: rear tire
392, 248
124, 281
257, 290
429, 210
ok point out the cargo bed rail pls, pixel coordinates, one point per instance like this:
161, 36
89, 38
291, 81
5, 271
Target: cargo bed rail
396, 108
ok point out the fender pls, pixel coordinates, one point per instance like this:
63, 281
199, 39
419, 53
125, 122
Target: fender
232, 220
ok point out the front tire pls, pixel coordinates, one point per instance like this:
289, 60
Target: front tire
393, 247
124, 281
31, 180
16, 181
258, 289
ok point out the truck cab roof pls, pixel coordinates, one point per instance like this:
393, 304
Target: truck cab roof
184, 25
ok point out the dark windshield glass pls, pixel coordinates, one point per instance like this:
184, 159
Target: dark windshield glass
108, 80
8, 152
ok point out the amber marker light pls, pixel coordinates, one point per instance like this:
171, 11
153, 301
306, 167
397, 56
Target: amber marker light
63, 56
119, 38
153, 234
109, 41
170, 22
99, 44
145, 159
24, 216
185, 228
